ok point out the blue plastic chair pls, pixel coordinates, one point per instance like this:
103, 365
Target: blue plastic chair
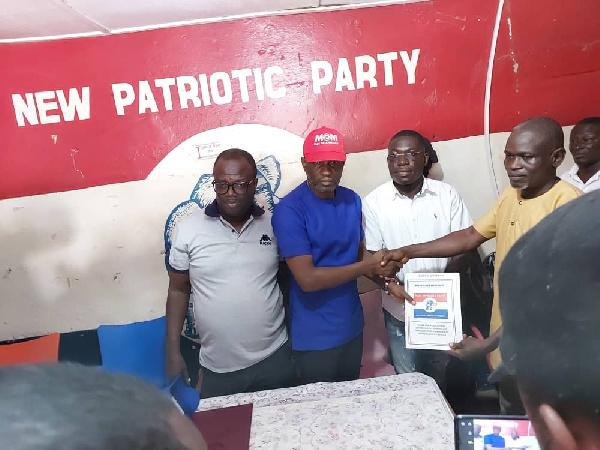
139, 349
136, 349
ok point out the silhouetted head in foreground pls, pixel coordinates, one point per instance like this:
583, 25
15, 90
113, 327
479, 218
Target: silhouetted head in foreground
72, 407
550, 304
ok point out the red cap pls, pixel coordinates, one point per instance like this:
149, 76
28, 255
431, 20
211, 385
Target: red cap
324, 144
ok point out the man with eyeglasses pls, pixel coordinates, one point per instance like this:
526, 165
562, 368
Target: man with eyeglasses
585, 147
319, 231
225, 256
409, 209
533, 151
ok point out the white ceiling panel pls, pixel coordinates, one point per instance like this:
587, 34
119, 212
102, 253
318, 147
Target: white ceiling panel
31, 19
364, 2
119, 14
38, 18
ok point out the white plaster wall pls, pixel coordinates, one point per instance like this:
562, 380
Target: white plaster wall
79, 259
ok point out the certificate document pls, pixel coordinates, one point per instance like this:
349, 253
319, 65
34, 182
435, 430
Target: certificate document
435, 320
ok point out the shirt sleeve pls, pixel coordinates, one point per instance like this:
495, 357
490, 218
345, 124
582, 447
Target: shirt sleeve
373, 236
569, 193
359, 208
179, 255
459, 214
289, 227
486, 226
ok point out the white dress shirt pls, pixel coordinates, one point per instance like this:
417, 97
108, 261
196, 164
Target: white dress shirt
393, 220
571, 177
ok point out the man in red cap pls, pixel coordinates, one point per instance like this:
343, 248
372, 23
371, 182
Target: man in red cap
319, 232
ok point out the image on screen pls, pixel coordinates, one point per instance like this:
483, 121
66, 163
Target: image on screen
487, 434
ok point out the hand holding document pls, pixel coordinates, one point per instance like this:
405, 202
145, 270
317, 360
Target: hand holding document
435, 319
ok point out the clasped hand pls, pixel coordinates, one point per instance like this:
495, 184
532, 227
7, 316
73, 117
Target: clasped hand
380, 264
389, 262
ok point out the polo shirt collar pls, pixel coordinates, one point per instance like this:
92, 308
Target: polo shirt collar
212, 210
425, 189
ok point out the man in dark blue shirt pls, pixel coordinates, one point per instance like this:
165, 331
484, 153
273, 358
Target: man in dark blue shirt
319, 230
494, 440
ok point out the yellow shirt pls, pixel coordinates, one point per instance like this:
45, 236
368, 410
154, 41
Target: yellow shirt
510, 218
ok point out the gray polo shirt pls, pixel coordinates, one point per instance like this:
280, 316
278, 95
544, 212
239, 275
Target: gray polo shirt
238, 306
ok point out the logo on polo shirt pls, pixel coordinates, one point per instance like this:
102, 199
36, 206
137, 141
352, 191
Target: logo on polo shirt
265, 240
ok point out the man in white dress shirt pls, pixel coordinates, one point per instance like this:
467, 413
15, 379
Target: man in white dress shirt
585, 147
406, 210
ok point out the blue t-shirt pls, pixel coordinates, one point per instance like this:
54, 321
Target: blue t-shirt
495, 441
331, 231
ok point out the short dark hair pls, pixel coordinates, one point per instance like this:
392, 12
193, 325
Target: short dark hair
427, 147
237, 153
432, 154
72, 407
589, 121
409, 133
549, 284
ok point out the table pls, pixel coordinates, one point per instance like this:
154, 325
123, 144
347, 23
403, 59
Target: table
394, 412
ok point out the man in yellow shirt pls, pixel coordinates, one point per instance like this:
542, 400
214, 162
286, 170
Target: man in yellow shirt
534, 150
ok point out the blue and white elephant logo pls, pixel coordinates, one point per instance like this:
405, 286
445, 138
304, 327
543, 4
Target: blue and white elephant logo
269, 179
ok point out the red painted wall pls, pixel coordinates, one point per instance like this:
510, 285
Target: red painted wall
557, 47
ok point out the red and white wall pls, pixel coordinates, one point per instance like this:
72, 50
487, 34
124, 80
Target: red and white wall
103, 136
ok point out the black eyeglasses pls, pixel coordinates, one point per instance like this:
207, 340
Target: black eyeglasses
410, 156
239, 187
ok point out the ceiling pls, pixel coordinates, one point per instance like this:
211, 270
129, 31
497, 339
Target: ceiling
48, 19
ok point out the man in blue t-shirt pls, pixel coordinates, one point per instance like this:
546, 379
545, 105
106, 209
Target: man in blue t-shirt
319, 230
494, 440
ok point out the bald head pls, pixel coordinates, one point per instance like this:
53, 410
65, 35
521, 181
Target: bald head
533, 151
546, 132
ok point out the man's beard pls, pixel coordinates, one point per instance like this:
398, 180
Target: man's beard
316, 186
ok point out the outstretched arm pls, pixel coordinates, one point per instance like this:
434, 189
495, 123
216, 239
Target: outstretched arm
450, 245
311, 278
472, 348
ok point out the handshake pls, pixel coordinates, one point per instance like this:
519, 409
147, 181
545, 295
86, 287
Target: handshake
384, 265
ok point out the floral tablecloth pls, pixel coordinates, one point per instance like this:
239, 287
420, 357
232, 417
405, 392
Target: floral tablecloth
395, 412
